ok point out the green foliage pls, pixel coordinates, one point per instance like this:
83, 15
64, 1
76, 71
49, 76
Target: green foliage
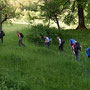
52, 8
74, 10
8, 9
18, 12
70, 18
37, 32
88, 13
26, 10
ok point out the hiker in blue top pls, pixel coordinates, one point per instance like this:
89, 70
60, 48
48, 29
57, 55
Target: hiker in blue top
88, 52
72, 41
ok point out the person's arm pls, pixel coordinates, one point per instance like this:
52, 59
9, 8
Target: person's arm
19, 35
73, 46
59, 42
46, 39
3, 34
81, 47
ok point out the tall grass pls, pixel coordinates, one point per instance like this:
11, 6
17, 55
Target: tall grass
38, 68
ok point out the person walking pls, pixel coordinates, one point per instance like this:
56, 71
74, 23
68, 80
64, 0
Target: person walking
47, 41
2, 34
77, 48
21, 36
61, 43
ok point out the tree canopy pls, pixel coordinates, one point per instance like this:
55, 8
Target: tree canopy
67, 11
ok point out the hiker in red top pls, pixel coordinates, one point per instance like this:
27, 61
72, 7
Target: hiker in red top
20, 35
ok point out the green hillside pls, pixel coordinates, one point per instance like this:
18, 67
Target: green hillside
37, 68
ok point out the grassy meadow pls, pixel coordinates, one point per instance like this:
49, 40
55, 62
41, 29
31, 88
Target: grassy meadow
37, 68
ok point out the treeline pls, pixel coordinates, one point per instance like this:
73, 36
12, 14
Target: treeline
70, 12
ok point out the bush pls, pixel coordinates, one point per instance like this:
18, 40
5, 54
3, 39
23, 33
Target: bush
37, 32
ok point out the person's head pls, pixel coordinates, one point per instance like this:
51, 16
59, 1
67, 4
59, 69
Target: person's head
18, 32
75, 41
44, 37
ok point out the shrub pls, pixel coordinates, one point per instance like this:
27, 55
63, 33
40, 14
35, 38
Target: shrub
37, 32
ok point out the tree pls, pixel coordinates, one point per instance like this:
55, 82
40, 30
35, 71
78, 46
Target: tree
6, 12
81, 17
87, 10
27, 10
52, 9
77, 10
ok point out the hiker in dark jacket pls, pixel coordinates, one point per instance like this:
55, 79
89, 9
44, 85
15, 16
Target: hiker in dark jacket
61, 43
21, 36
2, 34
77, 48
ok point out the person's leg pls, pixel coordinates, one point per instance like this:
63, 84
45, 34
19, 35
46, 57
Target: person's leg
19, 43
61, 47
22, 43
48, 45
78, 55
2, 40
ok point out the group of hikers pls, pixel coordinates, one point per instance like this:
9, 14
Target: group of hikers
76, 47
20, 35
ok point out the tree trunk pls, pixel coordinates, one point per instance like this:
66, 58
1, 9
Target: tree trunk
81, 19
49, 22
0, 21
57, 22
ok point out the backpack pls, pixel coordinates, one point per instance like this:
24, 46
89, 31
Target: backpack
3, 33
50, 39
62, 41
22, 35
77, 46
88, 51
